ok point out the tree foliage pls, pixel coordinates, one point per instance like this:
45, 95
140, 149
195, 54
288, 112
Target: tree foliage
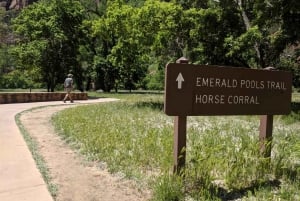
49, 36
267, 30
6, 40
126, 43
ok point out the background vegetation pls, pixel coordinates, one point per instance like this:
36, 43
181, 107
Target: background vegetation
135, 138
125, 44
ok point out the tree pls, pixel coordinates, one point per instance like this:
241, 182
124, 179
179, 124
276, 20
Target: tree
6, 40
121, 60
163, 35
103, 39
49, 38
270, 26
240, 32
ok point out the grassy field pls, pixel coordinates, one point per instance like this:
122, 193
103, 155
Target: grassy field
135, 138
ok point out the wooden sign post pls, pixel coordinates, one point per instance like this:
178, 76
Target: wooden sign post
265, 134
179, 135
179, 143
194, 90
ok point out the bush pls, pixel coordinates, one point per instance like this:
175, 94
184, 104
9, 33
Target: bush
17, 79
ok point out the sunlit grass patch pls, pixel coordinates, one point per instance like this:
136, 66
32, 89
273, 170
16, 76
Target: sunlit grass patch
135, 137
124, 135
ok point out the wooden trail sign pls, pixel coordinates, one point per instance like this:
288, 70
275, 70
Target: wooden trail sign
194, 90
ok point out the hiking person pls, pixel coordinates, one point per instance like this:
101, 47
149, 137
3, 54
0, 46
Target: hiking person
68, 85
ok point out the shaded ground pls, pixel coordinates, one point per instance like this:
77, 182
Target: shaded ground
76, 178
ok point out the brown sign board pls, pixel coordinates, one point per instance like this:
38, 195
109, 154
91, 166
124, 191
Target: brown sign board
194, 90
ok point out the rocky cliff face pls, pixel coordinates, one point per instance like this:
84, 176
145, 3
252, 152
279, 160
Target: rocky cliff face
15, 4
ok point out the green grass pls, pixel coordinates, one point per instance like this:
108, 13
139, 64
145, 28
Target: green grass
121, 134
134, 137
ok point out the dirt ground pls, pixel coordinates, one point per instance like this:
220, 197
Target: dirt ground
76, 178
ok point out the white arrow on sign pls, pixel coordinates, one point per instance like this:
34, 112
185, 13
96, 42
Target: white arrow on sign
179, 79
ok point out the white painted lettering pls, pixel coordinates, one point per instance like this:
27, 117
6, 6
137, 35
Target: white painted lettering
272, 85
242, 100
205, 82
252, 84
246, 99
198, 98
211, 82
276, 85
234, 83
209, 99
216, 82
198, 82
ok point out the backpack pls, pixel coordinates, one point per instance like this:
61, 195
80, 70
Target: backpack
68, 82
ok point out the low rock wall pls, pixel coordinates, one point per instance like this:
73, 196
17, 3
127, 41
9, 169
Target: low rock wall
21, 97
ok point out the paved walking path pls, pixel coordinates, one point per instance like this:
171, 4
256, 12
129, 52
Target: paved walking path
20, 180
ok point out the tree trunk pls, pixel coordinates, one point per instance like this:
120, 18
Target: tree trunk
248, 26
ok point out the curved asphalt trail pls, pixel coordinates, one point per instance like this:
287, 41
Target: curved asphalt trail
20, 180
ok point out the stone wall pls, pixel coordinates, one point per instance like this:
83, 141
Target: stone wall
38, 97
